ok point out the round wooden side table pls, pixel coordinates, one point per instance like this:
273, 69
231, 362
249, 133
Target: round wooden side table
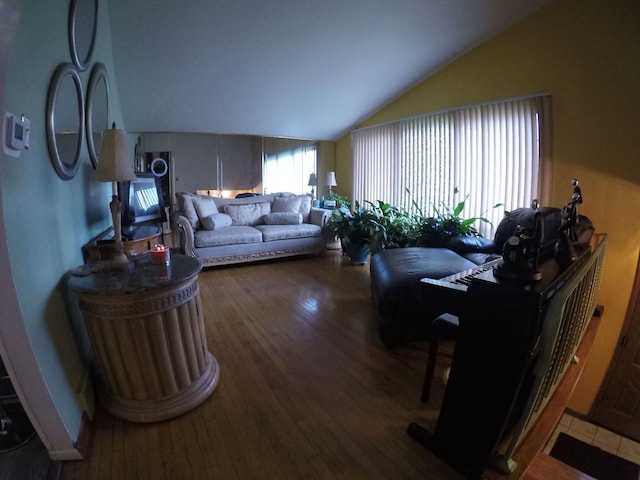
146, 327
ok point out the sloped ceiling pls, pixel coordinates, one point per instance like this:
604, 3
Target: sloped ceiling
293, 68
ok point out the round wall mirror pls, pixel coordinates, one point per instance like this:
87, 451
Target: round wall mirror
97, 114
65, 120
159, 167
83, 24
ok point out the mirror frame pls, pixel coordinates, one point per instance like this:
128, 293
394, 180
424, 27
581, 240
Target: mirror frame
98, 73
66, 171
81, 63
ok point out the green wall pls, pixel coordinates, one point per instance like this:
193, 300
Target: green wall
586, 53
48, 219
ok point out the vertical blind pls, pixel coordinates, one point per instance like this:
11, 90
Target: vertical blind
491, 153
288, 169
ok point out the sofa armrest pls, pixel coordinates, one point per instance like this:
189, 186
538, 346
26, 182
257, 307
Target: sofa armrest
183, 225
319, 216
470, 244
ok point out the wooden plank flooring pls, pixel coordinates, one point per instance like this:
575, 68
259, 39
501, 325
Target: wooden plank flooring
307, 389
548, 468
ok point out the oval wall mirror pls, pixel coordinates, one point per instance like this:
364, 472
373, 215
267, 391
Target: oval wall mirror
97, 110
83, 24
65, 120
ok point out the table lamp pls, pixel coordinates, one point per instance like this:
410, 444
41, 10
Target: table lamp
331, 180
114, 166
313, 181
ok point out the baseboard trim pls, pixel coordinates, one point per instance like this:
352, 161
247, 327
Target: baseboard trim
83, 444
84, 393
62, 455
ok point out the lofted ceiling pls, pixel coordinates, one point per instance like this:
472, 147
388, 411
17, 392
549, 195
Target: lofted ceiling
293, 68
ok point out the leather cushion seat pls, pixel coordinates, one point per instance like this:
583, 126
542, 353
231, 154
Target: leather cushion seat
395, 287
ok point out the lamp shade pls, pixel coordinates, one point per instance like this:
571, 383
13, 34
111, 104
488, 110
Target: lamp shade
113, 165
331, 179
313, 180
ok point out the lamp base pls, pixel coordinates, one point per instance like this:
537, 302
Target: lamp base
119, 258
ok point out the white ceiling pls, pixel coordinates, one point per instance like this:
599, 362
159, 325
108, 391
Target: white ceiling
294, 68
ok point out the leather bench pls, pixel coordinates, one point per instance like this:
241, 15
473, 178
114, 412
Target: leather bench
396, 273
395, 283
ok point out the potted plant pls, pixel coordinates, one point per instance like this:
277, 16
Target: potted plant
447, 224
335, 199
401, 227
357, 230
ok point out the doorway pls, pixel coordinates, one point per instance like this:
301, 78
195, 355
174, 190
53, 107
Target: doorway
617, 406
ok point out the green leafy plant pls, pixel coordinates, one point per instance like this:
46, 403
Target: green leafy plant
340, 200
438, 230
401, 228
383, 226
360, 225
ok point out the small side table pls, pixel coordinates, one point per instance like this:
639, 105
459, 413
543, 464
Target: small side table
102, 247
146, 327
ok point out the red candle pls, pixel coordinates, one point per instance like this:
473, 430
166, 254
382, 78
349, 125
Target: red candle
160, 254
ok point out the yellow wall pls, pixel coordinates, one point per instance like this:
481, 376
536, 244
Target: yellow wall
586, 53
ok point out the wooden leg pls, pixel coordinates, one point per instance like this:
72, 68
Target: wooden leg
444, 326
431, 366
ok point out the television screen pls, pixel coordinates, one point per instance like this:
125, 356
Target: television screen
141, 200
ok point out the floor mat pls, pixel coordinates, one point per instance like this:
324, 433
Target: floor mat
593, 460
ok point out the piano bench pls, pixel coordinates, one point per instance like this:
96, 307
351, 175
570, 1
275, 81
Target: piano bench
444, 327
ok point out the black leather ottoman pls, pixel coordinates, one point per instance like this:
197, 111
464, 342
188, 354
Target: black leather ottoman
395, 282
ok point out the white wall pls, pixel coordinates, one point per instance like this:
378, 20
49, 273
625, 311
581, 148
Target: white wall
196, 156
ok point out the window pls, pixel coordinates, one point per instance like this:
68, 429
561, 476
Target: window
288, 164
494, 153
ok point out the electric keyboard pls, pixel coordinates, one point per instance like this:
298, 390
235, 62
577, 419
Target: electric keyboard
464, 278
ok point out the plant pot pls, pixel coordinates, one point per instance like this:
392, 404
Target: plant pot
356, 252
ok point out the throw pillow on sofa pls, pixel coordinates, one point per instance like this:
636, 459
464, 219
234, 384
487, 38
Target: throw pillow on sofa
195, 207
185, 204
247, 214
217, 220
283, 218
286, 204
305, 203
205, 206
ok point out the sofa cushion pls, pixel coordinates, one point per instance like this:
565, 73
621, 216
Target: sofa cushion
305, 203
217, 220
283, 218
286, 204
205, 206
305, 207
221, 202
284, 232
185, 204
247, 214
232, 235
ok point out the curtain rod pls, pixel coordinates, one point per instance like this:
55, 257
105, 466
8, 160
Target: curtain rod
447, 110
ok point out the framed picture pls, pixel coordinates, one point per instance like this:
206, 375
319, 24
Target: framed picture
329, 204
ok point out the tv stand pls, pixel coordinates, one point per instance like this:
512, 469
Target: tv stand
137, 238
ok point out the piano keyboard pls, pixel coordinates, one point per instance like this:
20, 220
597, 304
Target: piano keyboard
464, 278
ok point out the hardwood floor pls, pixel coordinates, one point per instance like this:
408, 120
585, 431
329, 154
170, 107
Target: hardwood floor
307, 389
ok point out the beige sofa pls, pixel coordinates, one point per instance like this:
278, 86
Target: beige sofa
222, 231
